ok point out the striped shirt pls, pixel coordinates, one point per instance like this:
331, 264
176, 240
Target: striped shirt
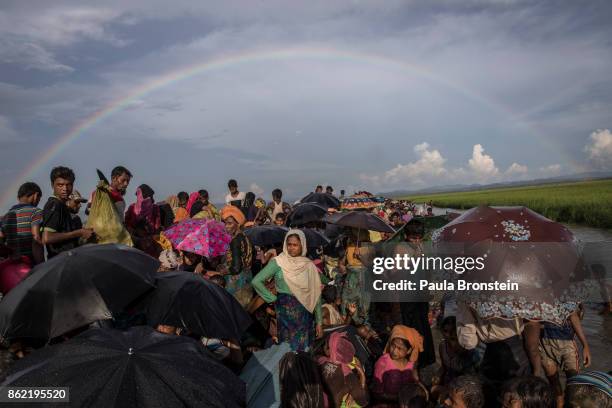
17, 228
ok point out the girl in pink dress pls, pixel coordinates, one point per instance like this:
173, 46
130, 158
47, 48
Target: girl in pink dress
397, 366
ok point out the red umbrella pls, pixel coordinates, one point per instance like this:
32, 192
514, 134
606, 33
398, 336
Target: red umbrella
522, 246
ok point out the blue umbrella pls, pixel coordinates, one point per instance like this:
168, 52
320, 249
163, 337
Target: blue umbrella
261, 375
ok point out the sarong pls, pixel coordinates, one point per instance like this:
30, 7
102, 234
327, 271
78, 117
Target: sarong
296, 325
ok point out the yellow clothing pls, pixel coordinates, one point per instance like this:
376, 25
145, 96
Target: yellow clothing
180, 214
375, 236
350, 258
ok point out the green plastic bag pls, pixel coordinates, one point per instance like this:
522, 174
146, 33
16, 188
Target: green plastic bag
105, 220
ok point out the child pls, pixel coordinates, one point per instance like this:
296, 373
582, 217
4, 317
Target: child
413, 396
589, 389
330, 308
455, 360
280, 219
397, 367
465, 392
559, 350
342, 373
527, 392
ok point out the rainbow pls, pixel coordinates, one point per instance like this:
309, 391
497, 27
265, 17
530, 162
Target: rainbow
225, 61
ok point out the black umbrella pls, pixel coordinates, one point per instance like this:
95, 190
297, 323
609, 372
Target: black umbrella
137, 368
359, 219
304, 213
314, 238
326, 200
183, 299
264, 235
275, 235
76, 288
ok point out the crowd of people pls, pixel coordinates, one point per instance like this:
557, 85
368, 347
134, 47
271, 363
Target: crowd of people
346, 350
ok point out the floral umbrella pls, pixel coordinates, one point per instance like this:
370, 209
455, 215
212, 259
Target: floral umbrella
202, 236
522, 246
361, 202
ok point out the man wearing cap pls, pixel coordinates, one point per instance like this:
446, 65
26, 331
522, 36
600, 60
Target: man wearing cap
74, 205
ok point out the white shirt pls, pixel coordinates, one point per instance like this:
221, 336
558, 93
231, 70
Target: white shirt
229, 198
471, 328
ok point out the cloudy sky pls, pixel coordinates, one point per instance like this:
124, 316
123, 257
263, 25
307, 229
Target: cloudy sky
379, 95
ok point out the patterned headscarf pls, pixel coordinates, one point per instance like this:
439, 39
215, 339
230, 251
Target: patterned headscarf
169, 259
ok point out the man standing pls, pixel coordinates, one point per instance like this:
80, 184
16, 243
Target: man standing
277, 206
120, 180
234, 197
58, 232
20, 227
319, 189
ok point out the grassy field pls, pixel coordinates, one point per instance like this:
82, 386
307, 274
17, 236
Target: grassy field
585, 202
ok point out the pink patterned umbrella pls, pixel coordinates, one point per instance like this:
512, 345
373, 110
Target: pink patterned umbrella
202, 236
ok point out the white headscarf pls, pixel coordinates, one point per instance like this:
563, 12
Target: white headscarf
300, 273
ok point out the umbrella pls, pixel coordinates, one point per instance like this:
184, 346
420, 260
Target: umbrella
305, 213
430, 224
324, 199
201, 236
522, 246
76, 288
12, 271
314, 238
261, 374
361, 220
265, 235
361, 202
183, 299
137, 368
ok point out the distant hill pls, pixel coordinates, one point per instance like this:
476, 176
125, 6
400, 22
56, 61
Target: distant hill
475, 187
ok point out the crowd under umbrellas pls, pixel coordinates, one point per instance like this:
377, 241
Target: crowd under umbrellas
178, 303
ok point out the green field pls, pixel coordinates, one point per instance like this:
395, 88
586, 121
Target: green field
585, 202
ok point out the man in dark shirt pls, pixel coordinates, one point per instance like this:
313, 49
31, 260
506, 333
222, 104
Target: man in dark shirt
58, 231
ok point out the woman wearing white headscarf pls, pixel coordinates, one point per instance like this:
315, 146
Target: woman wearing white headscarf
298, 298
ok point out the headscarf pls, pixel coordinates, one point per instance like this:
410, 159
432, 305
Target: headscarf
260, 203
300, 273
169, 259
173, 202
411, 336
234, 212
164, 242
341, 352
193, 197
249, 199
143, 208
